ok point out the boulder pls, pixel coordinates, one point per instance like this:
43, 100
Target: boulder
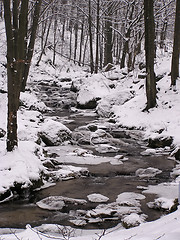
53, 133
90, 104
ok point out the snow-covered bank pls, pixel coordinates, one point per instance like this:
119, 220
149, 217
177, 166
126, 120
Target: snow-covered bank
20, 167
166, 228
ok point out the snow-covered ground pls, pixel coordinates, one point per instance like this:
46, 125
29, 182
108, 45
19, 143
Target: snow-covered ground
124, 101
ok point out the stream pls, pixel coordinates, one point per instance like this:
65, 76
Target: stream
107, 178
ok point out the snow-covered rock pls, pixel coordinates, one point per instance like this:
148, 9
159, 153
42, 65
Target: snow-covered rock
96, 197
58, 202
147, 172
130, 199
67, 172
161, 204
53, 133
133, 220
30, 101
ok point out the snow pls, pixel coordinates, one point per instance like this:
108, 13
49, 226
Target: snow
126, 104
96, 197
20, 166
130, 199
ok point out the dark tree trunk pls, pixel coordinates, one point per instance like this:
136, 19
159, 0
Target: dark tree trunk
176, 47
90, 39
76, 40
108, 46
16, 19
81, 41
150, 53
15, 35
97, 37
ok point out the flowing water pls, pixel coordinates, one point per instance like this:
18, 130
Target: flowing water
104, 178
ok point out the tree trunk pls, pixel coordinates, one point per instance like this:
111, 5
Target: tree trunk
108, 35
81, 41
16, 21
97, 37
150, 53
90, 39
176, 47
15, 35
30, 48
76, 40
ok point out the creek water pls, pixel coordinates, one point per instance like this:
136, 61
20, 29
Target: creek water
104, 178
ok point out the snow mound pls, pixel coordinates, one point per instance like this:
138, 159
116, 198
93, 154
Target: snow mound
96, 197
130, 199
21, 166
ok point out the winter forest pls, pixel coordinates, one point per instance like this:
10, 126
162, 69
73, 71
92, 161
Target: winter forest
90, 119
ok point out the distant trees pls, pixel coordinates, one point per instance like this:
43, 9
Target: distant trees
98, 32
176, 46
92, 33
20, 45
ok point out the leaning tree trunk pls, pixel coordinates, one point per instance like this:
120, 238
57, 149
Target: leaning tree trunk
30, 48
176, 47
150, 53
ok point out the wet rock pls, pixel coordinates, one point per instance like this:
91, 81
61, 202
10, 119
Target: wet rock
160, 142
54, 133
118, 133
91, 104
2, 132
177, 154
66, 79
92, 127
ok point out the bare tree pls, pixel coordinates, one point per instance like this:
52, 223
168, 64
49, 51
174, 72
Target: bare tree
18, 57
